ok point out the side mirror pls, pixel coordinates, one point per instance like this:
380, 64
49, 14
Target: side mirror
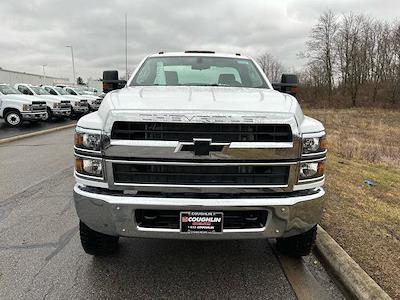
111, 81
289, 84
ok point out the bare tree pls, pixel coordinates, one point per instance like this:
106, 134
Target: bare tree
271, 66
321, 47
394, 75
354, 56
380, 55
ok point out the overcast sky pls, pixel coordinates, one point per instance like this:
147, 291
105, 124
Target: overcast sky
35, 32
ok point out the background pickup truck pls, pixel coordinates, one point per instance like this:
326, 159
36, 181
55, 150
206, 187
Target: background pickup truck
198, 145
15, 108
79, 106
57, 107
93, 101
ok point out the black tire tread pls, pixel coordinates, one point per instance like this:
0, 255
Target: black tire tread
13, 111
49, 115
96, 243
297, 245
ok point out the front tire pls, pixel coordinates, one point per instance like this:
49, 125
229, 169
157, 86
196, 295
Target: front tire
297, 245
49, 115
13, 118
96, 243
74, 115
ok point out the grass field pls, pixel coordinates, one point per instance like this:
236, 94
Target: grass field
365, 220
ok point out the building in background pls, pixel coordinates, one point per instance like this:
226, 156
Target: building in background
13, 77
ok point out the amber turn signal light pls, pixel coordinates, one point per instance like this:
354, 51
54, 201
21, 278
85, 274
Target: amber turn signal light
79, 165
321, 167
323, 143
78, 139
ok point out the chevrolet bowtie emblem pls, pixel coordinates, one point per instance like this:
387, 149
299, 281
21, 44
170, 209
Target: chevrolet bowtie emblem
201, 146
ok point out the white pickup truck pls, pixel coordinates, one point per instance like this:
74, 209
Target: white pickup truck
16, 107
57, 107
93, 101
198, 145
79, 106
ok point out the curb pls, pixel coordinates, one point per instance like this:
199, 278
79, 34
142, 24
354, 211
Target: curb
27, 135
355, 280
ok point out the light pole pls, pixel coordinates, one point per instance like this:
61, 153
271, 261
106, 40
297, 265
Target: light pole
44, 75
73, 63
126, 47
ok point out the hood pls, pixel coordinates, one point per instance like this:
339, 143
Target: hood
179, 98
89, 97
50, 98
20, 98
70, 98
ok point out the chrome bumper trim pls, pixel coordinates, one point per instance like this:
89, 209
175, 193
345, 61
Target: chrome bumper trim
33, 115
194, 163
115, 214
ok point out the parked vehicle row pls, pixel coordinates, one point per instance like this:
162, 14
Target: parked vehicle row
26, 102
16, 108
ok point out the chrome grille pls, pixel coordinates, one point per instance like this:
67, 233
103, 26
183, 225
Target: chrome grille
65, 104
38, 106
201, 174
186, 132
83, 103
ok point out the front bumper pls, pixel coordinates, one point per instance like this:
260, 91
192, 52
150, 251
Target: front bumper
114, 214
33, 115
94, 106
61, 112
80, 109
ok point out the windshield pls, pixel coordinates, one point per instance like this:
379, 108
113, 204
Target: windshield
60, 91
77, 91
8, 90
39, 91
199, 71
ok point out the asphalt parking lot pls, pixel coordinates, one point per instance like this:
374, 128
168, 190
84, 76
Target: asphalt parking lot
41, 256
28, 127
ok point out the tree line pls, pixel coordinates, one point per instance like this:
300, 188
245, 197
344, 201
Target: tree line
352, 60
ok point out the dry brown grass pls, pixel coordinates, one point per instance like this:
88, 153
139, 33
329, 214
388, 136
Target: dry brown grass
372, 135
364, 220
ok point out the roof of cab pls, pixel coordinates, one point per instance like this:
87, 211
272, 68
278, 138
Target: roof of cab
200, 53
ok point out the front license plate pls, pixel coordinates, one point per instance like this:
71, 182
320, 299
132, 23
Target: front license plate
201, 222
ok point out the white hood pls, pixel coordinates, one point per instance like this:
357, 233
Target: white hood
197, 104
70, 98
50, 98
25, 99
185, 98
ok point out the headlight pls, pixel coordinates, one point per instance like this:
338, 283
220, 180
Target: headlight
90, 139
57, 105
27, 107
311, 170
314, 144
75, 103
91, 167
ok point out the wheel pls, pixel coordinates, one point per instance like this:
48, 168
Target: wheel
73, 115
49, 115
13, 118
297, 245
96, 243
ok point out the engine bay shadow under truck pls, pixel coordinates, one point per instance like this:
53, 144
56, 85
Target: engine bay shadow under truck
198, 145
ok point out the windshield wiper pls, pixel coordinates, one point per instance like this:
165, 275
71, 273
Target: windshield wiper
213, 84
